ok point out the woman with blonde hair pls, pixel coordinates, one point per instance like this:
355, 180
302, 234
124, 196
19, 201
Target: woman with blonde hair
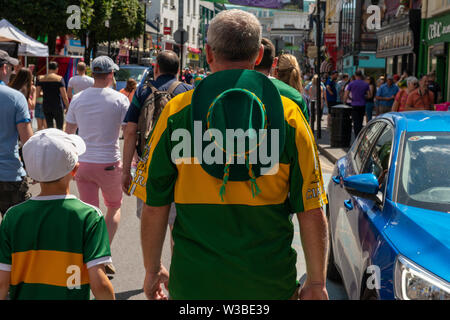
288, 71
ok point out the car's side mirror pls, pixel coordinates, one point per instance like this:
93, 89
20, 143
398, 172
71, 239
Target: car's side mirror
363, 185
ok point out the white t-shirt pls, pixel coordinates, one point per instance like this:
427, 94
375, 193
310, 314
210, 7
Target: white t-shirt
99, 114
80, 83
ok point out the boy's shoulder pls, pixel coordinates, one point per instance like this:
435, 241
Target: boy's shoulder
59, 203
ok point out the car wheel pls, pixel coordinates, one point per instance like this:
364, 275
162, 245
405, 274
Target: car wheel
332, 271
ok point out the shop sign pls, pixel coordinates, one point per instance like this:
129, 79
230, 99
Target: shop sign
397, 40
438, 30
193, 56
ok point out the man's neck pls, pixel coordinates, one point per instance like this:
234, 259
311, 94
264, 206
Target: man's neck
54, 189
233, 65
165, 75
101, 84
266, 72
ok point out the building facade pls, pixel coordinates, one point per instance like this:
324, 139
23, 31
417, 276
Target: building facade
356, 43
435, 45
399, 36
163, 16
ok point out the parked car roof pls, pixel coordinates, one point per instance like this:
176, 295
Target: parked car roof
421, 121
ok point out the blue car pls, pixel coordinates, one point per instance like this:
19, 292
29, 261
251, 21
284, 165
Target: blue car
389, 210
138, 73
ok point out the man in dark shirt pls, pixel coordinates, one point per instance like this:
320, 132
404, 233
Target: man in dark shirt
358, 89
166, 70
55, 96
332, 95
434, 87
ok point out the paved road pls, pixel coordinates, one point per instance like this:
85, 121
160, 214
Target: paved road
127, 255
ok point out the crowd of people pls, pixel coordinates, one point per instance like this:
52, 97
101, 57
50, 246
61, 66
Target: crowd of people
369, 97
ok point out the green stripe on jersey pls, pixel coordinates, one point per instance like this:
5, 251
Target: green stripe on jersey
33, 291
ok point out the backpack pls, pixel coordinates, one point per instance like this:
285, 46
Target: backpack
152, 108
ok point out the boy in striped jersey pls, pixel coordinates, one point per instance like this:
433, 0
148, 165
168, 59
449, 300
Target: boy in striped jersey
54, 246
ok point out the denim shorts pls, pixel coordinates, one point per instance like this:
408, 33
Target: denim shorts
38, 113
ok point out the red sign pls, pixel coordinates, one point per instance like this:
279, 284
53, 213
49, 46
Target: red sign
330, 43
167, 31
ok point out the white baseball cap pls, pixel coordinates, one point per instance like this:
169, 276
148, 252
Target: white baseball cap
51, 154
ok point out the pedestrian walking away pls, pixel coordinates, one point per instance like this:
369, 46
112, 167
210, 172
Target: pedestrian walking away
23, 82
129, 89
79, 82
358, 89
145, 108
15, 125
55, 96
434, 87
98, 113
288, 73
331, 92
49, 238
231, 214
370, 98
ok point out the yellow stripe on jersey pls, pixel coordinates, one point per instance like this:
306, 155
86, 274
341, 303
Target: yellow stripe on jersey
138, 187
47, 267
313, 191
274, 188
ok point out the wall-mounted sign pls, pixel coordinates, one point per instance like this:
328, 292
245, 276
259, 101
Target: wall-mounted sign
438, 29
167, 31
193, 56
396, 40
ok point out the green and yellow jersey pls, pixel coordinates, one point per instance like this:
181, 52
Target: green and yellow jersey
238, 248
48, 244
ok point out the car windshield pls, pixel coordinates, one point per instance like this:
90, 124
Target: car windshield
425, 174
125, 73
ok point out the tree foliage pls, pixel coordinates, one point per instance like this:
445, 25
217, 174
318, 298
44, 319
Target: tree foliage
126, 20
43, 17
49, 17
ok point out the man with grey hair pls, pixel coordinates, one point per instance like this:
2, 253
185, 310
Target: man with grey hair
233, 232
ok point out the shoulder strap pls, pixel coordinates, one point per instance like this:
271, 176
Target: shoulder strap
173, 86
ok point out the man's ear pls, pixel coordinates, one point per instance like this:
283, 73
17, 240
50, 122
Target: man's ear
209, 54
75, 169
260, 55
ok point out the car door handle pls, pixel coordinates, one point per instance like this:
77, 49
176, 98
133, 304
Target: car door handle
336, 180
348, 204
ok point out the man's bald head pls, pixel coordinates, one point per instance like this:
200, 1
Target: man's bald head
81, 67
168, 62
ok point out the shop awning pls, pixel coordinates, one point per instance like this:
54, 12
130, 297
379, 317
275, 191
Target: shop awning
27, 45
194, 50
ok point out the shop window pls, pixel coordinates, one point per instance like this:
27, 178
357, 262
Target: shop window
390, 65
399, 64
